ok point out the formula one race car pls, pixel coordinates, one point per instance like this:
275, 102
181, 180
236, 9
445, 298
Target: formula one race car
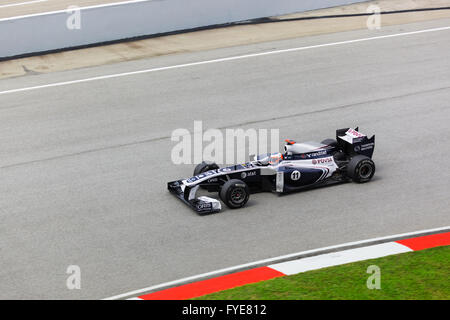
301, 166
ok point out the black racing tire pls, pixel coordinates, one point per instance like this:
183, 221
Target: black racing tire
203, 167
339, 156
234, 193
361, 168
330, 142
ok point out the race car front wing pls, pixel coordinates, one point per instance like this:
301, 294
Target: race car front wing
201, 205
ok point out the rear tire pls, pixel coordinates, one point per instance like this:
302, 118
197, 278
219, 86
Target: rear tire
361, 169
234, 193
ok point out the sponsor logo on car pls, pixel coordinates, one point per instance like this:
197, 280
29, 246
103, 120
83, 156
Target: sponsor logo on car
367, 146
354, 133
322, 161
203, 175
316, 154
248, 174
208, 174
203, 206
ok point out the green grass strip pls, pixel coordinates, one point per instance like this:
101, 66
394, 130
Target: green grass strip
416, 275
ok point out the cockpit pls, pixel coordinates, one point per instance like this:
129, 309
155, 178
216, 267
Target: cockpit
269, 159
293, 151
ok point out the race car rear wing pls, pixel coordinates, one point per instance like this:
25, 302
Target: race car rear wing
354, 142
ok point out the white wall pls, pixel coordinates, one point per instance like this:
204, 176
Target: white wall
44, 32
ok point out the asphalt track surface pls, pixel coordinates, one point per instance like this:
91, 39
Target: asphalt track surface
83, 167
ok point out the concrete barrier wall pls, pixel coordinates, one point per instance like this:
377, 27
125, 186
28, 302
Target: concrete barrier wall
49, 31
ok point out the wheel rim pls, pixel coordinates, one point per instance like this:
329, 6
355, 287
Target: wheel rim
238, 195
365, 171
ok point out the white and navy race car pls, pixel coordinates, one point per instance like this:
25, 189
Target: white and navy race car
301, 166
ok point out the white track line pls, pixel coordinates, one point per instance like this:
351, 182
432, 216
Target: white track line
340, 257
270, 261
21, 3
185, 65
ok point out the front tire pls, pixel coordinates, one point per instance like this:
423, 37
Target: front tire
361, 169
204, 166
234, 193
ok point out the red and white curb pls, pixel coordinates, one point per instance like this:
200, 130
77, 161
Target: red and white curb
308, 260
340, 257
